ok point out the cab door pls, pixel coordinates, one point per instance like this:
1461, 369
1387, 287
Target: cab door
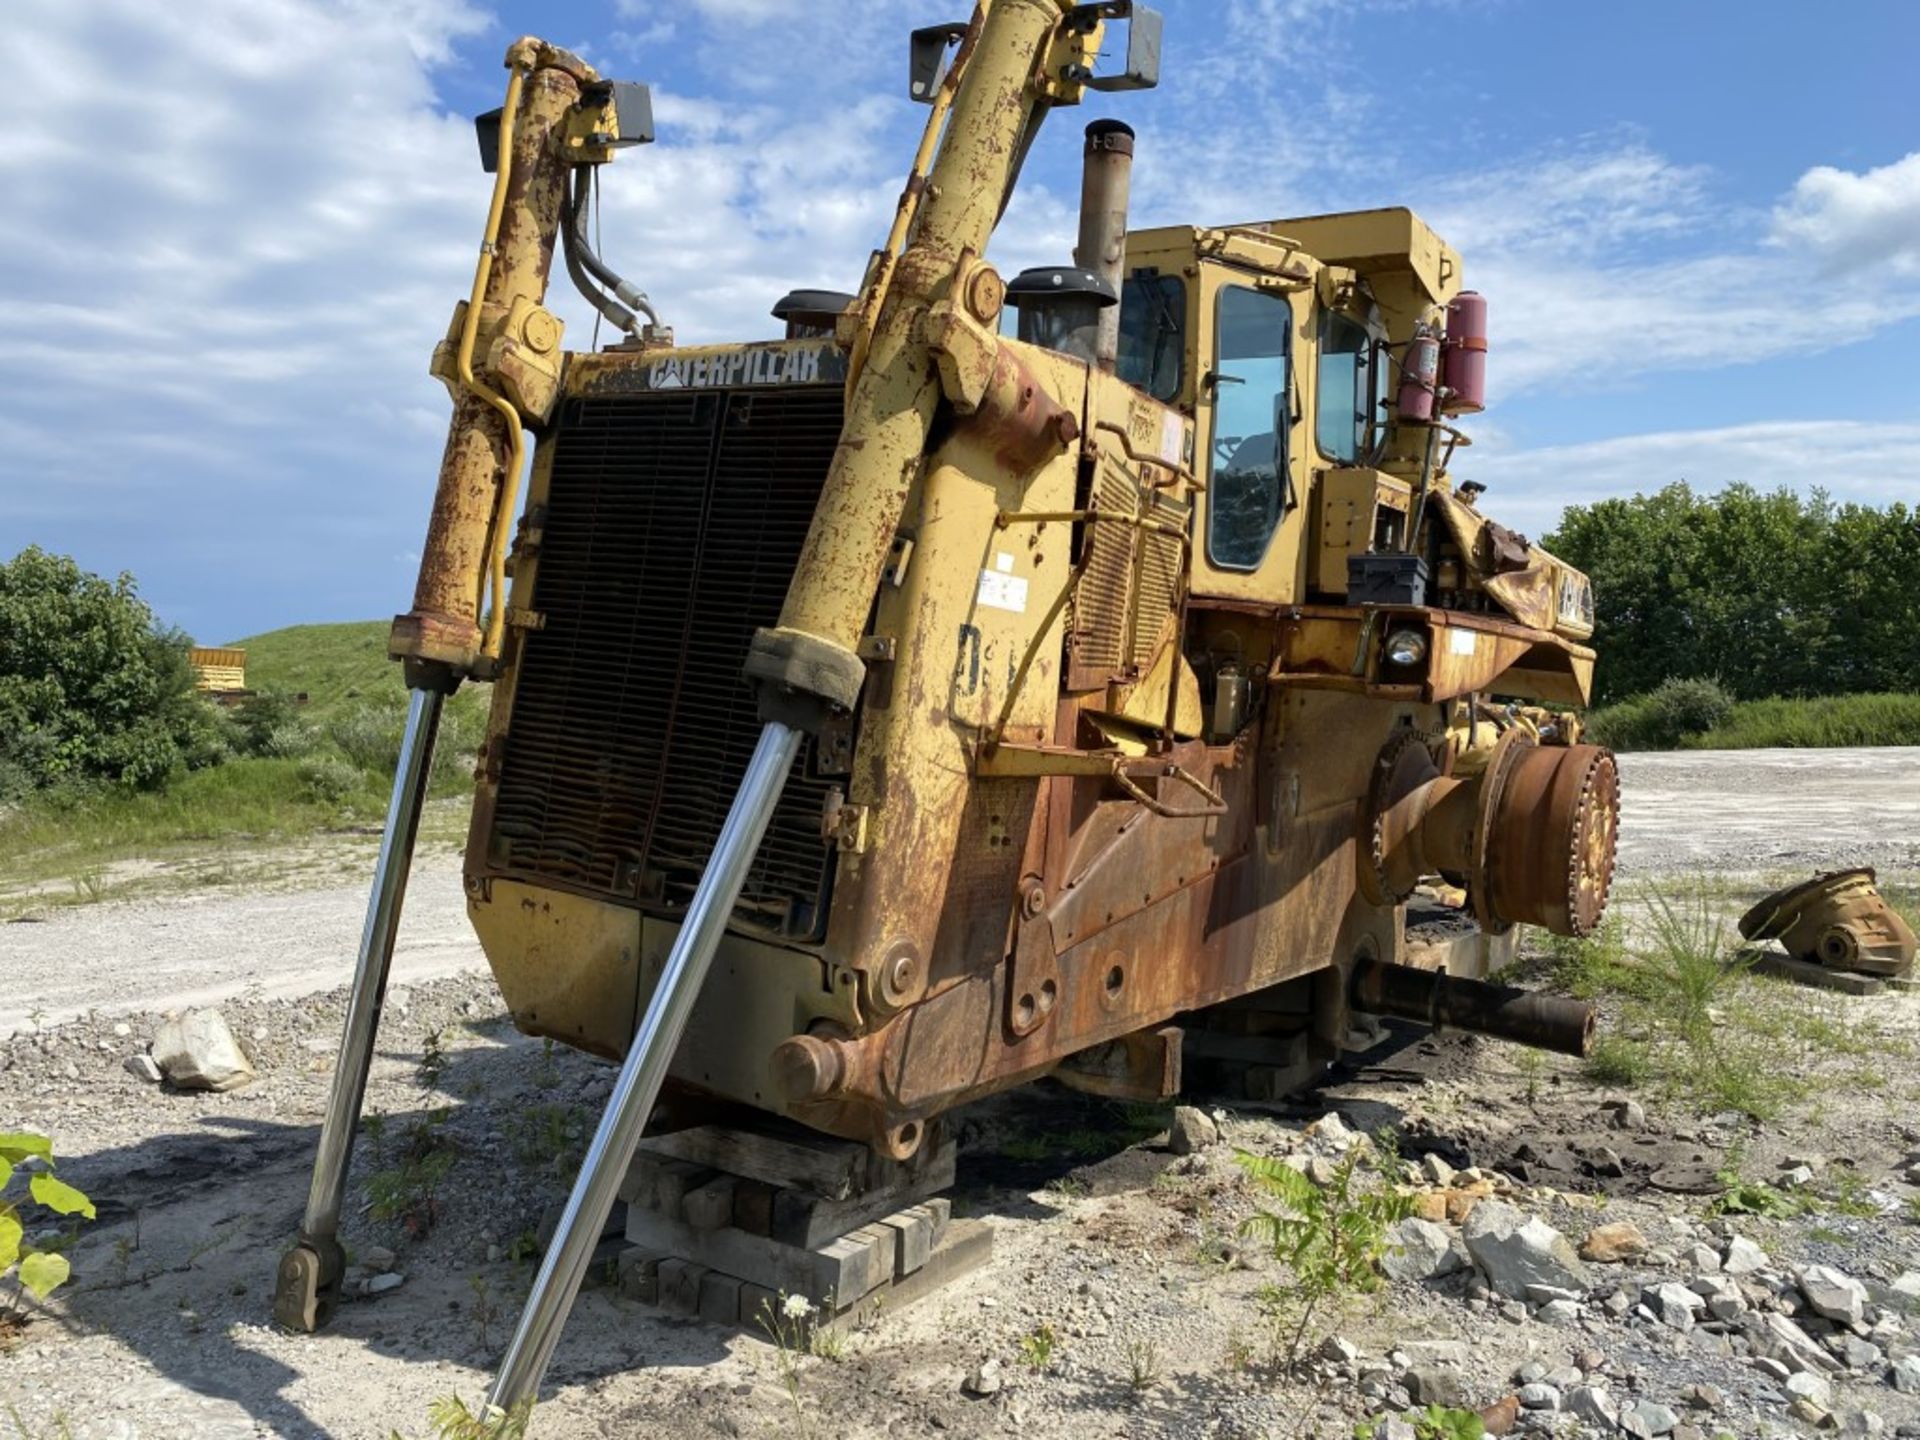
1251, 525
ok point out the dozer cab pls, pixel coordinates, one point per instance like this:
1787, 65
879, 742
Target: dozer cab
1097, 673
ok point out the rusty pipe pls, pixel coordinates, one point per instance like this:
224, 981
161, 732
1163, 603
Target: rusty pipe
1106, 182
1546, 1022
479, 477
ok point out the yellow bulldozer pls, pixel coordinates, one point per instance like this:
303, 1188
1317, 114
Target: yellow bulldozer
1095, 674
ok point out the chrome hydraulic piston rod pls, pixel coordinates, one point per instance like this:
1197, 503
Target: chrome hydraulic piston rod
638, 1087
310, 1272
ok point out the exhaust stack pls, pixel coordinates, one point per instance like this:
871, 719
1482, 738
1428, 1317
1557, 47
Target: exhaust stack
1106, 180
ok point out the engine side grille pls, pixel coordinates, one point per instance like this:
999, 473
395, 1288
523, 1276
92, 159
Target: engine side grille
673, 523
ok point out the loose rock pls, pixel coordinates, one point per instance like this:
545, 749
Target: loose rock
984, 1380
1516, 1250
142, 1067
1744, 1257
1644, 1420
1613, 1244
1193, 1130
1421, 1250
1592, 1404
198, 1052
1834, 1295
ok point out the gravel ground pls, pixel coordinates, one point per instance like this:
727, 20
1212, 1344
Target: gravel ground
1126, 1253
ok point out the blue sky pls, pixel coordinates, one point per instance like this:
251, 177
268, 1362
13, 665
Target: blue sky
235, 228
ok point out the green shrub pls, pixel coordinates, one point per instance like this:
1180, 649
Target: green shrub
92, 686
369, 735
328, 779
270, 725
1664, 718
1829, 721
1681, 707
1833, 720
34, 1269
1332, 1237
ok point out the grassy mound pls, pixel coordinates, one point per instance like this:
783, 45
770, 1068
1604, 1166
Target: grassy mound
336, 666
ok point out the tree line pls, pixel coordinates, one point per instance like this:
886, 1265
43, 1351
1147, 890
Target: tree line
1770, 594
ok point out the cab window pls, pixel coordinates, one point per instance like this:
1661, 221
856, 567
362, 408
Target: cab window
1153, 333
1352, 389
1247, 490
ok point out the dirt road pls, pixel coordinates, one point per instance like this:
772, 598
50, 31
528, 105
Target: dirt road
201, 948
1126, 1256
1759, 811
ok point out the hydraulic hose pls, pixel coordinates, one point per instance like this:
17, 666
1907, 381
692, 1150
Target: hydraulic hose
578, 246
573, 238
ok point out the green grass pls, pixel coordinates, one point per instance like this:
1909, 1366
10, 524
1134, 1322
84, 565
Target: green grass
1692, 1023
60, 848
335, 665
1829, 721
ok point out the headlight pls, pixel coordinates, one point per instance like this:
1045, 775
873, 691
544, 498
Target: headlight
1406, 647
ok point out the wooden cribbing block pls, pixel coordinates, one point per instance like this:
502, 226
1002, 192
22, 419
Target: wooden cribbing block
661, 1183
965, 1245
680, 1285
868, 1258
806, 1221
639, 1275
753, 1206
720, 1298
845, 1269
711, 1206
914, 1227
759, 1308
1805, 972
831, 1169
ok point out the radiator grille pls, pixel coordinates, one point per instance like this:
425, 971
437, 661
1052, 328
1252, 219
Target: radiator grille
673, 523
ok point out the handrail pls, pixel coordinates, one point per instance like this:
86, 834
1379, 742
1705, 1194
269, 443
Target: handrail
495, 572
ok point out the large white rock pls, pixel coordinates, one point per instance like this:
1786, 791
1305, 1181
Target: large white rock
1744, 1257
1421, 1250
1595, 1406
1834, 1294
196, 1051
1777, 1335
1516, 1250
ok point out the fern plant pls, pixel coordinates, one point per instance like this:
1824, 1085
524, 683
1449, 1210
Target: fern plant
1331, 1237
452, 1420
35, 1270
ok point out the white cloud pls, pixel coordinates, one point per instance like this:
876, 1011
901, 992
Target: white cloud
1612, 262
1868, 462
1850, 222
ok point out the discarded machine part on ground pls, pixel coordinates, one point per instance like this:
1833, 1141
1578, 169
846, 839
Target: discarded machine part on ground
1838, 919
1106, 677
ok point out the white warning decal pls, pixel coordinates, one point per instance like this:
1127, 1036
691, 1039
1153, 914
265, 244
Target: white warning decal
1463, 642
1000, 591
